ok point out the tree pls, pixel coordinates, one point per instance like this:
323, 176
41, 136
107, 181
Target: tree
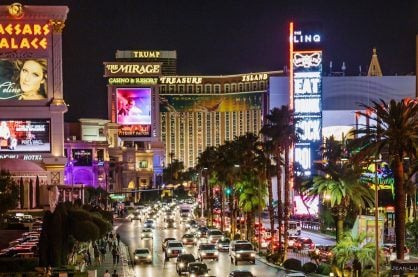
392, 132
9, 192
355, 250
342, 187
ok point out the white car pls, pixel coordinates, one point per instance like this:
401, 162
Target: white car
142, 255
149, 223
173, 249
214, 235
146, 233
207, 251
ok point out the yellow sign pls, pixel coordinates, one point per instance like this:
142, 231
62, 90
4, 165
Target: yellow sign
132, 69
23, 36
146, 54
133, 81
254, 77
180, 80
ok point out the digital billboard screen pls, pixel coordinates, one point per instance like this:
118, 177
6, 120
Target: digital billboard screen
31, 135
82, 157
133, 109
23, 79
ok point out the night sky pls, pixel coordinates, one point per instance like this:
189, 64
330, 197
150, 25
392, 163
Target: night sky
214, 37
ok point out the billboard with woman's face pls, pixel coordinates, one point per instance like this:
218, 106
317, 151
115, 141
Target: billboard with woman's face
31, 135
23, 79
133, 111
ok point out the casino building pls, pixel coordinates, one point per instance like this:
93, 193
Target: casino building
32, 109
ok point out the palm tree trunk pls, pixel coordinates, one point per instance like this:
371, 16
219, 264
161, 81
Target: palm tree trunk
287, 178
250, 226
271, 211
400, 211
222, 207
279, 199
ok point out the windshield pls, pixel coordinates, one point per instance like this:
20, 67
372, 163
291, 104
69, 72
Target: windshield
141, 251
224, 241
215, 233
146, 230
176, 244
244, 246
188, 236
207, 247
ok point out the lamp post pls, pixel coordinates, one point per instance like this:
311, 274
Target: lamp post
202, 198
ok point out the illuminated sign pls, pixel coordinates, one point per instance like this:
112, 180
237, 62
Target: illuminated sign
299, 37
26, 157
82, 157
25, 135
180, 80
24, 36
145, 54
133, 81
134, 131
307, 103
23, 79
254, 77
122, 69
133, 108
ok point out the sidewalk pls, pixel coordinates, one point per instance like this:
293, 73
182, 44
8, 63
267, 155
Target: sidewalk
124, 268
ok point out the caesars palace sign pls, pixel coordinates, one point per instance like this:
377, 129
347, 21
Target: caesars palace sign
24, 36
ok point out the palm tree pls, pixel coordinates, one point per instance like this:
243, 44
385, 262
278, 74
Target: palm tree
393, 133
355, 250
342, 186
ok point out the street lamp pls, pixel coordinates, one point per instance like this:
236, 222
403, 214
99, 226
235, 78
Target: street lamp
376, 214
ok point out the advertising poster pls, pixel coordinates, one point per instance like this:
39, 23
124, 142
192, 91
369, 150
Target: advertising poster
210, 103
25, 135
23, 79
133, 111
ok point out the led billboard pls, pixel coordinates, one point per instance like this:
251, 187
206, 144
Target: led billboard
31, 135
23, 79
82, 157
133, 108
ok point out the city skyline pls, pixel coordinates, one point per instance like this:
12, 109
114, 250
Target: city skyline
218, 37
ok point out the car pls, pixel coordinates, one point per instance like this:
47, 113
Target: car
303, 244
142, 255
170, 223
207, 251
190, 223
323, 253
173, 249
183, 261
202, 232
197, 269
165, 241
214, 235
241, 273
389, 250
241, 251
146, 233
188, 239
136, 216
168, 215
223, 244
291, 241
149, 223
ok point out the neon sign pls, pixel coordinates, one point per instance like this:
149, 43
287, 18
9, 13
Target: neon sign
307, 99
24, 36
132, 69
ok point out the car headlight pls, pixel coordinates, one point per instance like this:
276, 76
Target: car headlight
149, 256
238, 255
203, 254
181, 264
169, 250
136, 257
252, 254
219, 245
216, 253
184, 240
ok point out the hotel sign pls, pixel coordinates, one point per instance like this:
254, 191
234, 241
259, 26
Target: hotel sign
128, 69
133, 81
307, 99
181, 80
145, 54
24, 36
254, 77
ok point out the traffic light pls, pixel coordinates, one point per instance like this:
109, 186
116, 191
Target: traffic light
228, 191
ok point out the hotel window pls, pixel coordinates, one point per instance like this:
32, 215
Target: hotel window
226, 88
171, 88
227, 130
241, 87
143, 164
208, 88
255, 87
247, 87
198, 88
248, 121
100, 155
189, 88
181, 89
262, 85
163, 88
233, 87
217, 88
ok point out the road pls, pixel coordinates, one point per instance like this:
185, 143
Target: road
130, 234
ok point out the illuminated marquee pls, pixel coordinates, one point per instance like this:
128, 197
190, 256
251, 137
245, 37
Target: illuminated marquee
133, 81
121, 69
181, 80
24, 36
307, 98
254, 77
